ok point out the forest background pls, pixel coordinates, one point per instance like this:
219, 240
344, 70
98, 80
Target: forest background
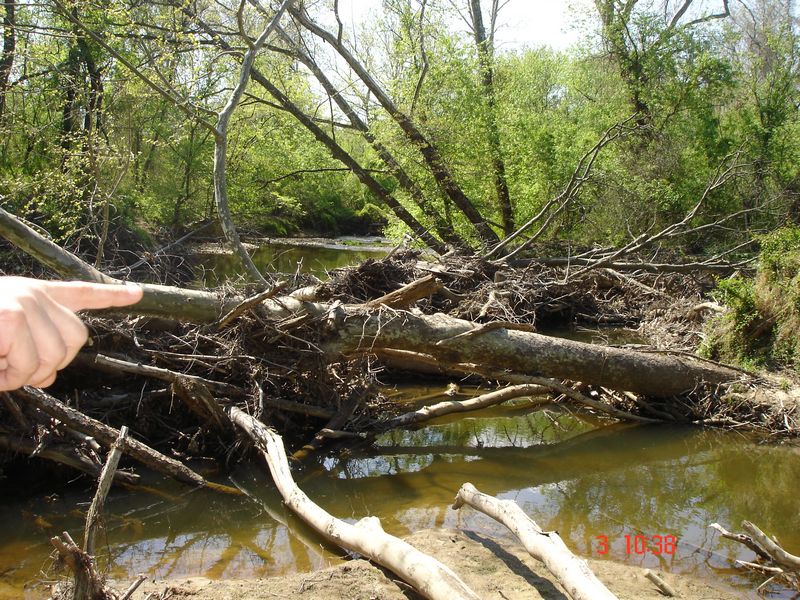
412, 121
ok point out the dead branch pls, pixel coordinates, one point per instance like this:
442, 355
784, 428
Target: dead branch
545, 546
742, 539
579, 176
117, 365
453, 406
251, 303
727, 169
107, 435
103, 486
63, 454
772, 548
778, 565
408, 294
426, 575
88, 584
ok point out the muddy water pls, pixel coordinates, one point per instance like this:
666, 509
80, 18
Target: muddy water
216, 268
583, 478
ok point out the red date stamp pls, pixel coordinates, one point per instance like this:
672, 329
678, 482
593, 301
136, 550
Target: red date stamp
641, 544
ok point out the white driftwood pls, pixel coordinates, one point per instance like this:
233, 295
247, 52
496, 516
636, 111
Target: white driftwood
662, 585
546, 546
775, 551
426, 413
425, 574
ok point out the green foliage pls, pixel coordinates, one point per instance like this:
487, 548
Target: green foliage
764, 317
780, 254
703, 91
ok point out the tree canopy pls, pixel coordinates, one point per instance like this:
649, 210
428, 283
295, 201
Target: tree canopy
414, 122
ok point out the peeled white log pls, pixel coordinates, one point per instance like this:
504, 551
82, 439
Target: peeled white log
570, 571
425, 574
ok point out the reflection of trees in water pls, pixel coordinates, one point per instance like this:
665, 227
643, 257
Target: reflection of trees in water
496, 431
719, 478
612, 480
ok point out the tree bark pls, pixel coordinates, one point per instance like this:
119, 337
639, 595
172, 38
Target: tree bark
9, 51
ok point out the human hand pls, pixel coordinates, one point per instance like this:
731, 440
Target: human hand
39, 331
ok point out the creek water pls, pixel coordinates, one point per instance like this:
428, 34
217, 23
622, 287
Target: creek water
216, 268
584, 477
581, 477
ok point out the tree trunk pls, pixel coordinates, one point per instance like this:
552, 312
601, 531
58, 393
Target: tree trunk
9, 51
334, 148
485, 49
430, 153
444, 230
425, 574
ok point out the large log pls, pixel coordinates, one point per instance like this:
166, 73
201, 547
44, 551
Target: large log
357, 329
522, 352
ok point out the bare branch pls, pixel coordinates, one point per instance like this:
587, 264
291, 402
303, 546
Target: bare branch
221, 139
423, 55
578, 177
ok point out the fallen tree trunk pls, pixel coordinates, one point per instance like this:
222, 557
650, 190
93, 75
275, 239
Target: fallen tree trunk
425, 574
545, 546
356, 329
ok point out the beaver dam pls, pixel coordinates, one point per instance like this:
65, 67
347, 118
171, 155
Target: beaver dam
616, 446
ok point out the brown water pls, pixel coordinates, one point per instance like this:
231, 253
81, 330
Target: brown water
583, 478
215, 269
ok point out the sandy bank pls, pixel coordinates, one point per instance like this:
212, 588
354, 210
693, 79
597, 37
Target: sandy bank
494, 572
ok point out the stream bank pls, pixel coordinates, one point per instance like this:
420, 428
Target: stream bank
494, 569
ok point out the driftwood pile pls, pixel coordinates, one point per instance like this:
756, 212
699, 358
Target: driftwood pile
188, 370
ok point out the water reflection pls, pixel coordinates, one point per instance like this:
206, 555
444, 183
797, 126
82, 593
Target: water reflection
580, 477
217, 269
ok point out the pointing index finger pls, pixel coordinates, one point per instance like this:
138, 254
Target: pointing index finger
79, 295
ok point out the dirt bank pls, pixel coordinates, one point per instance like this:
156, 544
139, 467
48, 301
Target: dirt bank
492, 571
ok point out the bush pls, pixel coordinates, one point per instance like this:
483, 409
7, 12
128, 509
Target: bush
764, 317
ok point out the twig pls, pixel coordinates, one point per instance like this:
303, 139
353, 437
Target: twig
133, 587
103, 486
